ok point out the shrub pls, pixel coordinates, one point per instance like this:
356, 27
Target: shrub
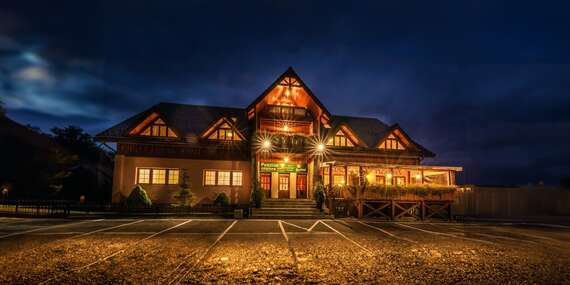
184, 196
138, 198
319, 195
257, 195
222, 200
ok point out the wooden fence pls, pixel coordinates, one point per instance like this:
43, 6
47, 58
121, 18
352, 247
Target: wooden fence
512, 202
391, 209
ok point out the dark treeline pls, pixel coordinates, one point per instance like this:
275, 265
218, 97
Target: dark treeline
65, 164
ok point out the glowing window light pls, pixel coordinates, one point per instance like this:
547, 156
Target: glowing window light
389, 175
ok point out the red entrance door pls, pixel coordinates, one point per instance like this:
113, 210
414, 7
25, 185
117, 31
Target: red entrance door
302, 186
266, 184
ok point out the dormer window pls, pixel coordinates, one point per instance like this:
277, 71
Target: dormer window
340, 139
392, 143
225, 133
158, 128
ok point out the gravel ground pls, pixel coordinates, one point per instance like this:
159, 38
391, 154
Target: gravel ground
250, 251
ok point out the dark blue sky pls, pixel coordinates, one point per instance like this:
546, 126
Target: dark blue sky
484, 84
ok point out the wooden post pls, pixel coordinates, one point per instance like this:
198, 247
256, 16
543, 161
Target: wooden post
393, 210
423, 210
450, 212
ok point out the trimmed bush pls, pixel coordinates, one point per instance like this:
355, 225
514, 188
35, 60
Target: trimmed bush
138, 199
222, 200
319, 195
257, 195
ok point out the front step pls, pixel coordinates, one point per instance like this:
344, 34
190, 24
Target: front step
288, 209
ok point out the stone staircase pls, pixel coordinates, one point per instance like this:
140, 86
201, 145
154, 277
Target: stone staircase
288, 209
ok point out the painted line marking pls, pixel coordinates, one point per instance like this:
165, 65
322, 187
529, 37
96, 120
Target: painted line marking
445, 234
347, 238
299, 227
176, 272
203, 256
313, 226
387, 232
463, 231
293, 254
106, 229
116, 252
49, 228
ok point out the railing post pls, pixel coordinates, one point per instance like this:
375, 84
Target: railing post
423, 209
393, 210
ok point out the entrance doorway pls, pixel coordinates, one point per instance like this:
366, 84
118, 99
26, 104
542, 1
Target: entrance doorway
283, 186
301, 186
265, 184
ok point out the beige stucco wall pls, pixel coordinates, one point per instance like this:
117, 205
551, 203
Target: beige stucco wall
124, 179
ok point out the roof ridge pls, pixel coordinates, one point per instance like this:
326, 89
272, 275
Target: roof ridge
197, 105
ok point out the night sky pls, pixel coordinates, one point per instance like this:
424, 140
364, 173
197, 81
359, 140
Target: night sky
483, 84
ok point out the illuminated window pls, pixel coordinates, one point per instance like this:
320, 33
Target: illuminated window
392, 143
340, 139
224, 133
399, 180
209, 177
159, 176
158, 128
223, 178
283, 182
338, 180
143, 176
353, 171
380, 180
266, 181
173, 175
237, 178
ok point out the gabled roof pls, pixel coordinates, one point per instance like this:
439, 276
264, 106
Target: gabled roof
290, 73
186, 120
371, 131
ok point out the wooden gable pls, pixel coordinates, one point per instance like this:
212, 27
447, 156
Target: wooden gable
153, 126
392, 142
343, 137
289, 90
223, 129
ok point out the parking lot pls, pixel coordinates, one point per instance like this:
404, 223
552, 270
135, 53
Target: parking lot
180, 251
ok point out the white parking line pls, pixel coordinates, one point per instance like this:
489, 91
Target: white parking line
463, 231
48, 228
115, 253
446, 234
386, 232
293, 225
183, 276
107, 229
347, 238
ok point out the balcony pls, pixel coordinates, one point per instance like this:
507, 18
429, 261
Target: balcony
288, 113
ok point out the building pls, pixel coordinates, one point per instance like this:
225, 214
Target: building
285, 139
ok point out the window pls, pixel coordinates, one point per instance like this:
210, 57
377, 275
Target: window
223, 178
237, 178
340, 139
158, 176
338, 180
143, 176
380, 180
392, 143
173, 176
266, 181
209, 177
225, 133
283, 182
158, 128
399, 180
